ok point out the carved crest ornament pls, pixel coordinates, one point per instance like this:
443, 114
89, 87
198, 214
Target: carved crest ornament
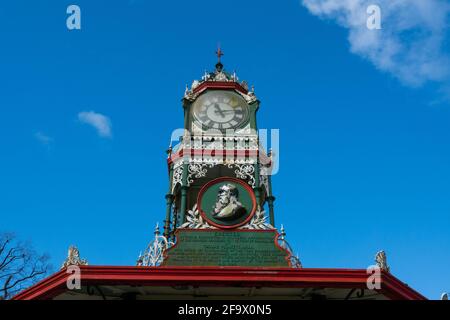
73, 258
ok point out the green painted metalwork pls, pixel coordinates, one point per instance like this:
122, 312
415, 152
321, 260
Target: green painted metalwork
226, 248
184, 190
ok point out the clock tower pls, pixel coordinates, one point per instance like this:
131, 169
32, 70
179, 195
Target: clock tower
219, 205
219, 239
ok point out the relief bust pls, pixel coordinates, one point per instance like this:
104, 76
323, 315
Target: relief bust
227, 206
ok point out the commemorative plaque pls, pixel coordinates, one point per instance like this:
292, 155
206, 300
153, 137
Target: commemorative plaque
227, 248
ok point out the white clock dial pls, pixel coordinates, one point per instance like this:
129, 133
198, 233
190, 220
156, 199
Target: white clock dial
220, 110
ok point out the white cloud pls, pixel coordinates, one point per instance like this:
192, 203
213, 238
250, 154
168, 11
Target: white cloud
99, 121
411, 43
43, 138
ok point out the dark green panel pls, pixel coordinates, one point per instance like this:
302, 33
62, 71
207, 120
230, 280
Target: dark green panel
210, 199
226, 248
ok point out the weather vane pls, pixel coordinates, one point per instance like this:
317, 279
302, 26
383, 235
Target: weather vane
219, 53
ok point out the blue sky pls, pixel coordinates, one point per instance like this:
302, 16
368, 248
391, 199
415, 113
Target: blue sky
364, 131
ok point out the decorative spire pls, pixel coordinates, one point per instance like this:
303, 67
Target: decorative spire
219, 65
219, 54
282, 233
157, 229
169, 150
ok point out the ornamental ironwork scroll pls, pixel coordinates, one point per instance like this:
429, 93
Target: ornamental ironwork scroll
154, 254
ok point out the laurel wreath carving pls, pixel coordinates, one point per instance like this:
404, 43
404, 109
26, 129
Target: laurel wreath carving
258, 222
195, 220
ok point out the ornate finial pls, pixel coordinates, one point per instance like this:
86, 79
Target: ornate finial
219, 54
156, 229
282, 233
219, 65
73, 258
381, 261
169, 150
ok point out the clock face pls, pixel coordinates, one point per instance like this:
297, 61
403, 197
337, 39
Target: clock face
220, 110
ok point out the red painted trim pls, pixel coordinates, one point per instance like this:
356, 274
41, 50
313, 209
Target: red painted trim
223, 85
46, 288
219, 180
393, 288
220, 276
289, 254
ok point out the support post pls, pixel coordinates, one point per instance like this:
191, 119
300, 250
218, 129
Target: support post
270, 200
169, 201
257, 187
184, 189
175, 223
169, 195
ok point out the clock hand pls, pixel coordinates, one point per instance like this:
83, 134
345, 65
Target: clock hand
218, 110
225, 111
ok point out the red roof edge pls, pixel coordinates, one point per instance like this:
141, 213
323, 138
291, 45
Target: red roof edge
219, 276
220, 85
